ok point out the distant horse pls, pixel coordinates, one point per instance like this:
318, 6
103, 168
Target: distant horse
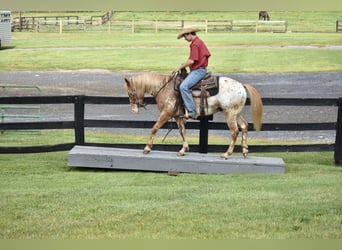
264, 15
230, 100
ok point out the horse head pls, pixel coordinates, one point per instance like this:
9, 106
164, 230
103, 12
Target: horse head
136, 96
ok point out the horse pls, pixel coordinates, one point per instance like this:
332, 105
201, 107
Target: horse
230, 99
264, 15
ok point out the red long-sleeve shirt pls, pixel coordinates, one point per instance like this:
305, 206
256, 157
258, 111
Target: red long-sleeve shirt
199, 53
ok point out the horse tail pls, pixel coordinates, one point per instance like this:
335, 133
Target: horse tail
256, 106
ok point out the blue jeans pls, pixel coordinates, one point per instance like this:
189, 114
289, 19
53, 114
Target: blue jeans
185, 88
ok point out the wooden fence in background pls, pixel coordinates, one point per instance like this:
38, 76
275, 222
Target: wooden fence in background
73, 23
80, 123
205, 25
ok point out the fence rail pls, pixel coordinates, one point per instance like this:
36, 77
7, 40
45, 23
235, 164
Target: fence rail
29, 23
61, 24
49, 25
5, 110
80, 123
206, 25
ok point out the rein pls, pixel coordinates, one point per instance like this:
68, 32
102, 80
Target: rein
164, 85
134, 96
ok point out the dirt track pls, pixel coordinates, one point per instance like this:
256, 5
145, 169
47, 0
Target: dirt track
102, 82
106, 83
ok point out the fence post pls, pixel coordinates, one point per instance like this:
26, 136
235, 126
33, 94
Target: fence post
79, 119
203, 136
60, 27
336, 26
285, 26
338, 140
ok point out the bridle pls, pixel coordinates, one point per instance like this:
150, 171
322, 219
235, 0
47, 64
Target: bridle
133, 97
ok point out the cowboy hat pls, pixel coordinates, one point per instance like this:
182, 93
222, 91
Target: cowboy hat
186, 30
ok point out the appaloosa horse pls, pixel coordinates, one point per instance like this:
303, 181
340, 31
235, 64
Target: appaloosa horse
230, 99
264, 15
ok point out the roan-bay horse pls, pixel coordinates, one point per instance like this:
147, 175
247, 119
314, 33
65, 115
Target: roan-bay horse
264, 15
230, 99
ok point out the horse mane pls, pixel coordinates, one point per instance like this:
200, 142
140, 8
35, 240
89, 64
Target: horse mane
150, 82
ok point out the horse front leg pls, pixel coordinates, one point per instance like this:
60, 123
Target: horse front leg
234, 131
163, 118
182, 132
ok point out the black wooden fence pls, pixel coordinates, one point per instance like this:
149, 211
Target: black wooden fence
80, 123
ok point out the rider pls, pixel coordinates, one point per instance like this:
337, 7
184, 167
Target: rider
197, 62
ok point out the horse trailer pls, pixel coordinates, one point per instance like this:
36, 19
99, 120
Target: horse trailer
5, 28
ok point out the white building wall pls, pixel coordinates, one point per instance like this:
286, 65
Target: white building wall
5, 27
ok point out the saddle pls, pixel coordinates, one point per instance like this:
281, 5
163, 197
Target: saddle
206, 87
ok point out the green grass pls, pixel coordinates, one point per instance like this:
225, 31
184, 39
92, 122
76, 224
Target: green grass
126, 39
156, 52
42, 198
52, 137
49, 200
231, 52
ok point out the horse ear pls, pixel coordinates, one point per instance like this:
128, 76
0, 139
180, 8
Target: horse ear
128, 83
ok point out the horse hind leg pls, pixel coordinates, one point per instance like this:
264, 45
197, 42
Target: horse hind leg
234, 132
244, 128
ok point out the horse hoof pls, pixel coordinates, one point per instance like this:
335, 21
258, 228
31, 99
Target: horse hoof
180, 154
224, 157
146, 152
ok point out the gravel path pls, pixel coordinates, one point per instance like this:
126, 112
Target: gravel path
106, 83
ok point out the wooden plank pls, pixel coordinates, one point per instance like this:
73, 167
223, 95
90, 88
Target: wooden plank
36, 149
149, 124
150, 100
37, 125
338, 140
211, 125
175, 148
161, 161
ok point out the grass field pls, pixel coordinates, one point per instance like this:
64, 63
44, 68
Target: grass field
231, 52
161, 52
42, 198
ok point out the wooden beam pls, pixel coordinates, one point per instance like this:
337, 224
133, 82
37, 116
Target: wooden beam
161, 161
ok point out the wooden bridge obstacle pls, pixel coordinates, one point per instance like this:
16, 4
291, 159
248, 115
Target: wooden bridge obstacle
166, 161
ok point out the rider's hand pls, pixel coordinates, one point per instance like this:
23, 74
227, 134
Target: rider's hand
176, 70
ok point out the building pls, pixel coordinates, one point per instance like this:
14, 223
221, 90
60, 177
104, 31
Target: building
5, 28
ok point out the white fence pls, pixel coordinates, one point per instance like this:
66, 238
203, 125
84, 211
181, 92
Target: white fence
135, 26
67, 25
206, 25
